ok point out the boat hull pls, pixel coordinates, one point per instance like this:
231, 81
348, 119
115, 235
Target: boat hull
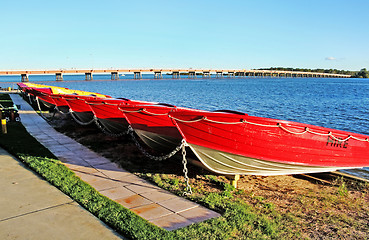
60, 103
289, 147
231, 164
79, 108
160, 142
153, 126
43, 94
109, 115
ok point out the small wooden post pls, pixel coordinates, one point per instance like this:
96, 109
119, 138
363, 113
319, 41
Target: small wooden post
3, 126
234, 179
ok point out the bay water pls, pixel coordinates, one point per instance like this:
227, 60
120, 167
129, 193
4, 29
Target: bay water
338, 103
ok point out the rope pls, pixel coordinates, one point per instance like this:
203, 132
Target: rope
29, 98
42, 115
126, 111
186, 121
63, 113
79, 121
289, 131
97, 104
55, 96
154, 114
307, 130
363, 140
213, 121
112, 104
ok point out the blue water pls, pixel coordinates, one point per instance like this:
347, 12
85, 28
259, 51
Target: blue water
334, 103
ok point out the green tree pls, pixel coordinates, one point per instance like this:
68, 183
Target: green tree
363, 73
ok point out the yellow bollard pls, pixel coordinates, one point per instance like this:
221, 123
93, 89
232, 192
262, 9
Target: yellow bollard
3, 126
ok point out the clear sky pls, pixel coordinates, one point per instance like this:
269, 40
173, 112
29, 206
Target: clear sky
182, 34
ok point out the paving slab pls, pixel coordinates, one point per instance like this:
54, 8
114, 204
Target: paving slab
142, 187
171, 222
151, 211
145, 199
117, 193
31, 208
198, 214
39, 196
177, 205
104, 184
133, 201
159, 196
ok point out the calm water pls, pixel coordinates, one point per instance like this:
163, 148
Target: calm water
334, 103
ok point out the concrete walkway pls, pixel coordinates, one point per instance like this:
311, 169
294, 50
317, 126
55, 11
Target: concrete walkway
31, 208
148, 201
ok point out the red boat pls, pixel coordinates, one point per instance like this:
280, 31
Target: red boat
81, 111
108, 113
152, 124
24, 87
43, 94
60, 103
234, 143
51, 96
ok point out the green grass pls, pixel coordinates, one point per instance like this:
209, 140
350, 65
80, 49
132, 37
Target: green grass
5, 101
41, 160
238, 220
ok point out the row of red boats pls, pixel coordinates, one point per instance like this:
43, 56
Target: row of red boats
225, 142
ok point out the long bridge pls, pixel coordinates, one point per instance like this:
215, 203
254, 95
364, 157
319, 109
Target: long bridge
176, 73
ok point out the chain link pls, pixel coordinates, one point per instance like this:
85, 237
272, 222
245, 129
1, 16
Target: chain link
182, 146
188, 190
152, 157
106, 131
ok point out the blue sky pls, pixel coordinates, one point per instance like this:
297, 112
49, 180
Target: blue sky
183, 34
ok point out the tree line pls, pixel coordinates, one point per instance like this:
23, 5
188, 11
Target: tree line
363, 73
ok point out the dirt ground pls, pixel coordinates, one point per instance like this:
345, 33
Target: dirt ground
317, 206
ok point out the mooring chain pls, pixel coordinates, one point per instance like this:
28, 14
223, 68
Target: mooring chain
152, 157
182, 146
188, 190
106, 131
